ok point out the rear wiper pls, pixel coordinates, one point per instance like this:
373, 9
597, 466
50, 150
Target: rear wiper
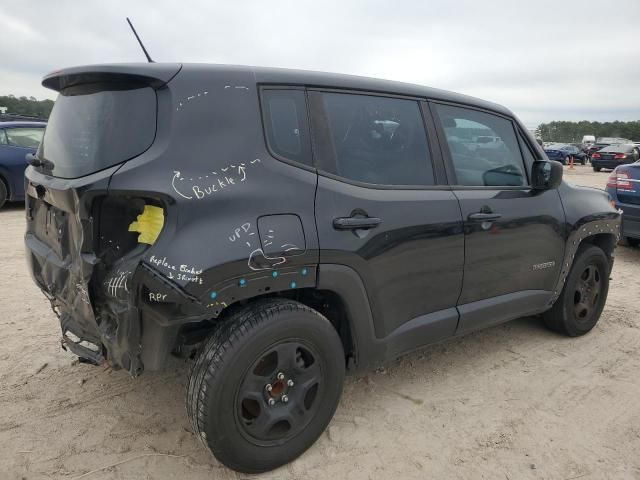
39, 162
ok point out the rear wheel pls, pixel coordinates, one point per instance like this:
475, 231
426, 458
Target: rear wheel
580, 304
596, 169
3, 193
266, 384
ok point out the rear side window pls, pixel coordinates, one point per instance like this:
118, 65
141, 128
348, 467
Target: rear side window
286, 125
371, 139
93, 127
24, 137
484, 147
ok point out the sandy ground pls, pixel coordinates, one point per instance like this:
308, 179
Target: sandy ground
511, 402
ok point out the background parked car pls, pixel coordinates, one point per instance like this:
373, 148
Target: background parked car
16, 140
605, 142
624, 187
562, 152
614, 155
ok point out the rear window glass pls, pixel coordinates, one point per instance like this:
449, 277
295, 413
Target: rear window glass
618, 148
25, 137
92, 128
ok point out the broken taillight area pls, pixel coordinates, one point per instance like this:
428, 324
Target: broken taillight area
124, 223
127, 227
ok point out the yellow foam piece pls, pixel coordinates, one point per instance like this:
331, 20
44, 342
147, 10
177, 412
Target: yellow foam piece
149, 224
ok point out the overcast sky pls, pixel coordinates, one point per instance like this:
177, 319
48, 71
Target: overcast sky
546, 60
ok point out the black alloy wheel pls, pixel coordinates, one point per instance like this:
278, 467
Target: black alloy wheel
587, 292
278, 396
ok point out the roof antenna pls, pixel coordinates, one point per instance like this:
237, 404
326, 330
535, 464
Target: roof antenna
146, 54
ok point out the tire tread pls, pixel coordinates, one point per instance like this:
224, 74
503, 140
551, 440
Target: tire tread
209, 361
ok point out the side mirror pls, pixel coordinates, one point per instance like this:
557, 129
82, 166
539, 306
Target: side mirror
546, 174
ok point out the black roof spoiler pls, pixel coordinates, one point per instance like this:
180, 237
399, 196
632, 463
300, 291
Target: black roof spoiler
155, 75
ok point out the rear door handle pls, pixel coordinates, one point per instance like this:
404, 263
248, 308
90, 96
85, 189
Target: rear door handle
356, 223
484, 217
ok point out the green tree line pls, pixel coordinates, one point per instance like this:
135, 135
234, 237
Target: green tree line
572, 132
26, 106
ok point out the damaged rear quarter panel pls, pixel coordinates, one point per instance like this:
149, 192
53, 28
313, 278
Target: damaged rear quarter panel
220, 188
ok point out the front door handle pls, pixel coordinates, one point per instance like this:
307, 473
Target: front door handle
484, 217
356, 223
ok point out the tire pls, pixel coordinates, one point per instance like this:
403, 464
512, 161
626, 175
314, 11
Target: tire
596, 169
629, 242
566, 161
580, 304
3, 193
228, 400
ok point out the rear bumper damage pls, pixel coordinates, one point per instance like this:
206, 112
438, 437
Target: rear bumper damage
130, 318
112, 307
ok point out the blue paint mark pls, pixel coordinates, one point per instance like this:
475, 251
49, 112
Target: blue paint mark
304, 271
293, 285
242, 282
274, 274
214, 295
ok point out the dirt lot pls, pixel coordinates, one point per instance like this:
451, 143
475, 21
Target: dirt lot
511, 402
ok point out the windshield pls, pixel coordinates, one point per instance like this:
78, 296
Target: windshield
93, 127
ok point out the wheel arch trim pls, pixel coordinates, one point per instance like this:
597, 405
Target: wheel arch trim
602, 231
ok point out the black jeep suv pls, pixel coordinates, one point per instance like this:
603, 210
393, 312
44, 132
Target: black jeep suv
283, 227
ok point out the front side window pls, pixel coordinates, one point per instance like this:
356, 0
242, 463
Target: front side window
484, 147
529, 158
286, 126
24, 137
370, 139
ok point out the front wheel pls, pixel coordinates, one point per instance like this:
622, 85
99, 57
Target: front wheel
266, 384
580, 304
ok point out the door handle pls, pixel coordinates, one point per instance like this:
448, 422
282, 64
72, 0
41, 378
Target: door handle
484, 217
356, 223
